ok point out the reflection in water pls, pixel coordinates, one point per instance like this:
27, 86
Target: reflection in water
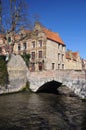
83, 125
24, 111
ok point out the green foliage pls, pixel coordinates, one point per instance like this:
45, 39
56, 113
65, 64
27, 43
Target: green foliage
26, 58
3, 72
27, 87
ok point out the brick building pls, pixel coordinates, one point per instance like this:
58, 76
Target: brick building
46, 48
73, 60
83, 64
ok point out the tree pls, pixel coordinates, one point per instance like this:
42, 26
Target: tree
14, 15
13, 18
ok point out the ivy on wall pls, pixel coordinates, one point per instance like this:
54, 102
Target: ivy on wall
3, 72
26, 58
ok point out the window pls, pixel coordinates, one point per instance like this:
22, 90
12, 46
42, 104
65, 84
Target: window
40, 54
62, 66
21, 35
62, 57
53, 66
40, 66
9, 39
58, 66
58, 56
36, 32
33, 44
33, 55
19, 47
25, 46
33, 67
40, 43
63, 48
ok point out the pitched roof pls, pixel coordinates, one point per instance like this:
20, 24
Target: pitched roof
27, 31
68, 55
71, 55
53, 36
75, 54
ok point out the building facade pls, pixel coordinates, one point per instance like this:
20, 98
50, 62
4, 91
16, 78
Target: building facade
83, 64
73, 60
46, 48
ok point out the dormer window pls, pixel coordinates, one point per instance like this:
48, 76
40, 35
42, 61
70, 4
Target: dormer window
36, 32
9, 39
21, 34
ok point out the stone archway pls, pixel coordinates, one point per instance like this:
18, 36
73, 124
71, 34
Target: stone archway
50, 87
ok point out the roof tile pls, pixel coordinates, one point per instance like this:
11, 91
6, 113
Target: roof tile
53, 36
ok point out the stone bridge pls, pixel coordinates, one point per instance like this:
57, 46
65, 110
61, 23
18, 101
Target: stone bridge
51, 80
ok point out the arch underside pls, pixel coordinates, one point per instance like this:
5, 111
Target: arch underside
50, 87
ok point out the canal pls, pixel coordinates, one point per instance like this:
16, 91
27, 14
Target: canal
42, 111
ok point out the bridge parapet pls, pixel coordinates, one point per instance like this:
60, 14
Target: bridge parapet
75, 80
58, 74
37, 79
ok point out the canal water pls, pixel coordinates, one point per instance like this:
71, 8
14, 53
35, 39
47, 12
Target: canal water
42, 111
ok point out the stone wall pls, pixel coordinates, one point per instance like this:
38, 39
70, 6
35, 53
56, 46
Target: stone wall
78, 86
55, 55
73, 60
18, 73
74, 80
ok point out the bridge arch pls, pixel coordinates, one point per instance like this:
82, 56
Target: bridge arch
49, 87
75, 80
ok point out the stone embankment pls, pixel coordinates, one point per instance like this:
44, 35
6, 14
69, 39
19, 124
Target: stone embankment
76, 81
77, 86
18, 73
